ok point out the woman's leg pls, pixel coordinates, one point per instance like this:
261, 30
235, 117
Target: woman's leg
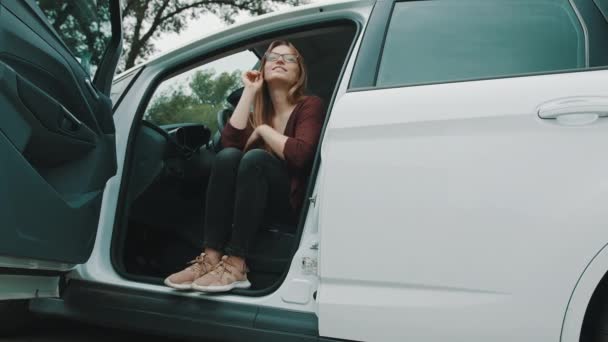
262, 190
218, 219
219, 203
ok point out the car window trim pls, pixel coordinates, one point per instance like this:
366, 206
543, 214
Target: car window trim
133, 75
581, 21
367, 62
104, 74
364, 77
553, 72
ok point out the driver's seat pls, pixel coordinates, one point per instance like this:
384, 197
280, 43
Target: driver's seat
216, 140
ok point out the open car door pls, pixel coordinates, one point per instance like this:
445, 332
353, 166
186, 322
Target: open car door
57, 147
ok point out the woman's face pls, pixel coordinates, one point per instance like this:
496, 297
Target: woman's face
284, 70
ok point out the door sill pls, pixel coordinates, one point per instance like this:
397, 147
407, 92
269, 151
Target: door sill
169, 315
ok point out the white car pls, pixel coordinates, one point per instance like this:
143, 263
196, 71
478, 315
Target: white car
459, 192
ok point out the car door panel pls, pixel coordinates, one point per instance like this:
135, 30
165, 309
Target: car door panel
57, 146
488, 214
52, 69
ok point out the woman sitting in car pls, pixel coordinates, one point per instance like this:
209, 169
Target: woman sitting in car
261, 173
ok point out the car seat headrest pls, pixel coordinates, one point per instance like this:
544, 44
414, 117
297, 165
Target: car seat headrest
235, 96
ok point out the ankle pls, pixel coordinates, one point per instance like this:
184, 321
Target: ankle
213, 256
237, 262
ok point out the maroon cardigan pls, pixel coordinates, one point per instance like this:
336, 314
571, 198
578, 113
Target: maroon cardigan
303, 130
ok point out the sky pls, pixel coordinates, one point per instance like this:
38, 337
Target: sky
197, 28
200, 27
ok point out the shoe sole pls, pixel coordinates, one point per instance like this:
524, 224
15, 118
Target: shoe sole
245, 284
178, 286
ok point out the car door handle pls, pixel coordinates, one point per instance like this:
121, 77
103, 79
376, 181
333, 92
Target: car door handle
575, 109
69, 122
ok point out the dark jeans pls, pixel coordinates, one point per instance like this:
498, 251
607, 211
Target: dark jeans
245, 189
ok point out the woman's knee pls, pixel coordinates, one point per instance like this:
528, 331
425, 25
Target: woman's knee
228, 157
254, 160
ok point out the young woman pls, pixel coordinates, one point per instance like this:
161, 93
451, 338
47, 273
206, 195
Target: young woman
262, 171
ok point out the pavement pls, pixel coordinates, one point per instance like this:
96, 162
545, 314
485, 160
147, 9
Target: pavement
57, 330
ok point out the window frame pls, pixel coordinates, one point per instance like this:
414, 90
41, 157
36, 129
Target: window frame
128, 79
102, 79
367, 64
603, 9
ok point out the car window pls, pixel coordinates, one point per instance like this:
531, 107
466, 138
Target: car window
597, 31
447, 40
197, 95
84, 26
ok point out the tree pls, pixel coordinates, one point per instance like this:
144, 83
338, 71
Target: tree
200, 103
81, 23
214, 90
145, 20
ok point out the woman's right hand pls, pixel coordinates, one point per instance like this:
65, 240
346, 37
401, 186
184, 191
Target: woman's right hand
252, 80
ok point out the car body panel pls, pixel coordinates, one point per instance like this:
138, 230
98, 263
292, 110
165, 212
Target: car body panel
483, 216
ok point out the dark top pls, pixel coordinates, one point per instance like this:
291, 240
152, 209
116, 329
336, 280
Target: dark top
303, 130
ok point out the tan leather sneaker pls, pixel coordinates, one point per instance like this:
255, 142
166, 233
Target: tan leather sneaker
224, 277
182, 280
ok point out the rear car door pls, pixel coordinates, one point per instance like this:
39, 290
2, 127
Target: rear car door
57, 149
464, 171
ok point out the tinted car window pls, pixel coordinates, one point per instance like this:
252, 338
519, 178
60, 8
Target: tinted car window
597, 31
449, 40
84, 26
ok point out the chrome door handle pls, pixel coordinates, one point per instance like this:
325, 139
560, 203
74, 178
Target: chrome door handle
574, 106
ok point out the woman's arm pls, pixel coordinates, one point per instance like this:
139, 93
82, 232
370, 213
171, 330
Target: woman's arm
299, 150
236, 131
241, 113
252, 81
274, 139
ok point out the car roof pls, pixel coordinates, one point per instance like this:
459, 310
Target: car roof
245, 24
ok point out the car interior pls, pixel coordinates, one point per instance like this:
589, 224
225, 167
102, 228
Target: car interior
168, 168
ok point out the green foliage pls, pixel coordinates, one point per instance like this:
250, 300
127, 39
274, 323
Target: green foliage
146, 20
212, 90
205, 96
84, 27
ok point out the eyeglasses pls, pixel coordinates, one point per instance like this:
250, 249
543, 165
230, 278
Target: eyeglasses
287, 57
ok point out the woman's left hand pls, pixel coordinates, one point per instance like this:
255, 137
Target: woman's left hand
254, 136
273, 139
